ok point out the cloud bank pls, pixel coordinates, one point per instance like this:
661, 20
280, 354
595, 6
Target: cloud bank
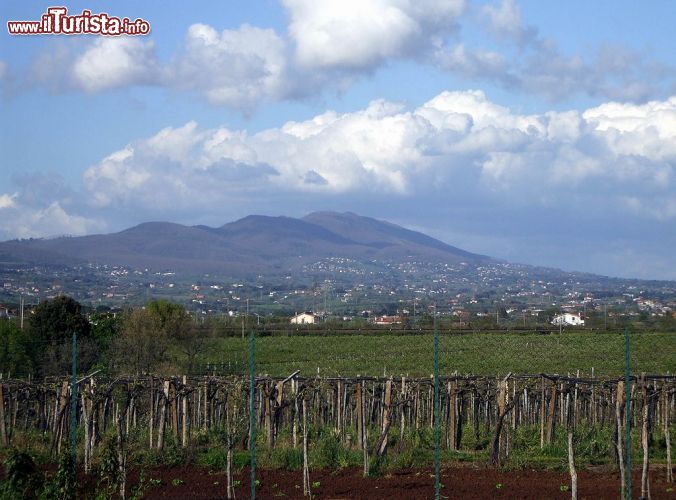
329, 45
622, 153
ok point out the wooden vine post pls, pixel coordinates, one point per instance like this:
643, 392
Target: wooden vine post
665, 429
306, 468
3, 431
645, 484
163, 416
503, 409
184, 413
619, 410
571, 467
551, 417
543, 413
381, 447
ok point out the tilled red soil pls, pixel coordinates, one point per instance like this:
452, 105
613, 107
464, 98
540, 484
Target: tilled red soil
458, 482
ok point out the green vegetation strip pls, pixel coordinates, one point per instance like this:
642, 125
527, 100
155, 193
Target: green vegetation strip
478, 353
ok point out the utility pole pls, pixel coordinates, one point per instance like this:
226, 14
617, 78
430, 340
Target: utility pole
21, 307
242, 325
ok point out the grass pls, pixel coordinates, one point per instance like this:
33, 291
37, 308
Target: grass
477, 353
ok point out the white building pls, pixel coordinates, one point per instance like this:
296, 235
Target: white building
305, 318
568, 319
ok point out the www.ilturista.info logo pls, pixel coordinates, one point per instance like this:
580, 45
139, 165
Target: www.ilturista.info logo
56, 21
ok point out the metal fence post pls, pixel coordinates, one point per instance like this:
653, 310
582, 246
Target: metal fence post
627, 389
252, 410
437, 420
73, 408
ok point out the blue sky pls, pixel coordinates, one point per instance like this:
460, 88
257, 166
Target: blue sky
537, 132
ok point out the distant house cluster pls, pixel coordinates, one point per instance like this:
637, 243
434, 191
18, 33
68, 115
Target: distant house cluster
311, 318
387, 320
568, 319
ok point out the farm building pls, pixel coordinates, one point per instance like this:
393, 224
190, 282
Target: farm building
305, 318
568, 319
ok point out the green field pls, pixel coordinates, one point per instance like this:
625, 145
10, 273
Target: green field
476, 353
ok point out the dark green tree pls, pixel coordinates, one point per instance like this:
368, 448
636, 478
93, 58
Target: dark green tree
52, 325
16, 356
55, 320
149, 332
105, 326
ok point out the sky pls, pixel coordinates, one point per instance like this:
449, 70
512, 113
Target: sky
536, 132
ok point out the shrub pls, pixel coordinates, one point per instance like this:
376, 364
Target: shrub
284, 458
64, 485
215, 458
108, 471
412, 457
21, 476
325, 453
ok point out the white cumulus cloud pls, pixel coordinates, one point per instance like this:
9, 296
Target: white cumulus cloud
111, 63
358, 34
8, 200
237, 68
18, 220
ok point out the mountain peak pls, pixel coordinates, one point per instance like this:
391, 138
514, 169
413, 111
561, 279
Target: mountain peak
332, 213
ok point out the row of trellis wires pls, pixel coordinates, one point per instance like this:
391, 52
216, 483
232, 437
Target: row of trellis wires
366, 413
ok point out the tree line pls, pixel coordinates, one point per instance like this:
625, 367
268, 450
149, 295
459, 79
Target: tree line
160, 336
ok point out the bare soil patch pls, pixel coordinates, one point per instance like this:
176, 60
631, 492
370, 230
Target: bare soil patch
196, 482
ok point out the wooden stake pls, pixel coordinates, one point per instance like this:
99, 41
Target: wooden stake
571, 467
387, 421
543, 414
3, 432
665, 429
645, 485
306, 469
360, 415
151, 413
402, 411
163, 417
174, 411
619, 407
551, 418
184, 414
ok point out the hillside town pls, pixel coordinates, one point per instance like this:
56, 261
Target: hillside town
343, 290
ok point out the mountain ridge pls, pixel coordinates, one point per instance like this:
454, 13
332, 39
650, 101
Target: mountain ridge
252, 244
